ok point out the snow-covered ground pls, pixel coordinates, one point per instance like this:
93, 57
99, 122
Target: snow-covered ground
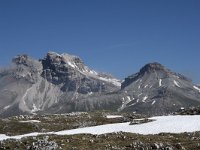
167, 124
162, 124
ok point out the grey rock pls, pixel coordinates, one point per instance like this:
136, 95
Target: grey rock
63, 83
157, 90
55, 84
43, 144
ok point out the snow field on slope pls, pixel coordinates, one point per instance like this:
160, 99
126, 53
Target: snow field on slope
162, 124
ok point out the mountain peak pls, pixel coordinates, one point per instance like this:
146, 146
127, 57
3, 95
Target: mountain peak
26, 61
63, 58
155, 66
20, 59
64, 66
67, 60
61, 83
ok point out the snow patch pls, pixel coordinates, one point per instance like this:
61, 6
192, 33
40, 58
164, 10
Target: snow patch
176, 83
71, 64
144, 98
129, 98
31, 121
113, 81
113, 116
196, 88
93, 72
160, 82
182, 108
153, 102
6, 107
162, 124
136, 80
90, 93
34, 109
132, 104
125, 102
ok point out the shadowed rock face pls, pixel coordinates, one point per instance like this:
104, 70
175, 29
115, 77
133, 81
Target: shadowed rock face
71, 74
63, 83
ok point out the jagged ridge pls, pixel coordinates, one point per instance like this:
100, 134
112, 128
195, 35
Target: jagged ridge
63, 83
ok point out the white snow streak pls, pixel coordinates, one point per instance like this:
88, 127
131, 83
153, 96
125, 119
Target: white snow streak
195, 87
6, 107
176, 83
71, 64
153, 102
129, 98
160, 82
132, 104
125, 102
144, 98
23, 98
162, 124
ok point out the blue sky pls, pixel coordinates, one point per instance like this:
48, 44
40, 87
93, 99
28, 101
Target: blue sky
115, 36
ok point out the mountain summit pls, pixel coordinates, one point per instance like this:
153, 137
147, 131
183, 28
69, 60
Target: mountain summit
153, 67
61, 83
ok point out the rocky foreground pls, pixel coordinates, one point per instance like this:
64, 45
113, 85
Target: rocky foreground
114, 141
24, 124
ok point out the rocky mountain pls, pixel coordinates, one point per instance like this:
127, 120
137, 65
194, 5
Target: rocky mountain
157, 90
63, 83
54, 84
